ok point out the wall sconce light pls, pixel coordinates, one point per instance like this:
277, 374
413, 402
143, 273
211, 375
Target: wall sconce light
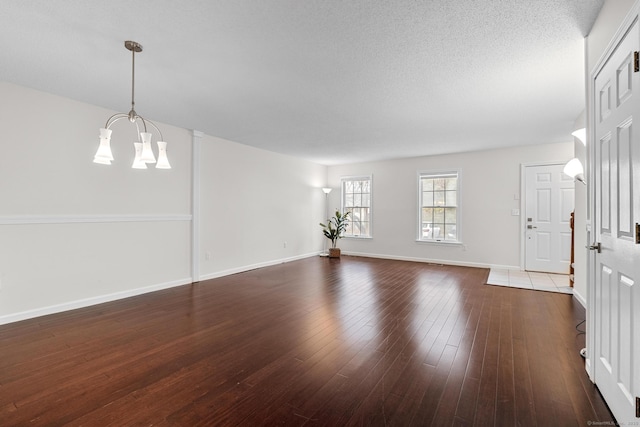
574, 169
581, 134
143, 151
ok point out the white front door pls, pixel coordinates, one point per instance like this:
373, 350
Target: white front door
549, 201
616, 284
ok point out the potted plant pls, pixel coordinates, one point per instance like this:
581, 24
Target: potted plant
333, 230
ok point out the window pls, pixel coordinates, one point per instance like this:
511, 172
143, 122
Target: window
439, 207
356, 199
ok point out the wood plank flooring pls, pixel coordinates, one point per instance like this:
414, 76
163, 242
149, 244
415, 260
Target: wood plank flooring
316, 342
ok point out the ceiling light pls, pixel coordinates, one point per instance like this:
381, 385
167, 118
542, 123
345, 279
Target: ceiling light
142, 147
581, 134
574, 169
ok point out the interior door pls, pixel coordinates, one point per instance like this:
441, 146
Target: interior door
549, 201
616, 176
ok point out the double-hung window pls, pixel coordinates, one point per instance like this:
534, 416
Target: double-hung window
356, 199
439, 202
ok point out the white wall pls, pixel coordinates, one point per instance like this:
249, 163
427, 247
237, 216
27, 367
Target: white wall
489, 180
74, 233
257, 207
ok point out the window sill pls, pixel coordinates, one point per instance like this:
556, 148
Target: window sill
441, 242
358, 237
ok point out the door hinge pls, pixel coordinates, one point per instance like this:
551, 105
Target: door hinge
637, 234
636, 61
637, 407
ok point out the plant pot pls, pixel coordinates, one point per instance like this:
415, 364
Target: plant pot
334, 252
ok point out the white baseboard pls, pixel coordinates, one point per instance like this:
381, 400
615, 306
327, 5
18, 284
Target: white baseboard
244, 268
588, 367
72, 305
582, 300
434, 261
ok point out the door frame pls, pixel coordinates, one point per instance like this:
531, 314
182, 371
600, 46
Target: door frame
523, 205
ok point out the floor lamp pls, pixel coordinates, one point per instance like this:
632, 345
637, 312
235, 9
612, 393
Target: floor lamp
326, 191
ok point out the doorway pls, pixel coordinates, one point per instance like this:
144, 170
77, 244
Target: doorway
548, 203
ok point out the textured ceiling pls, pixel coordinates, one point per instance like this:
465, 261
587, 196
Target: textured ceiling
331, 81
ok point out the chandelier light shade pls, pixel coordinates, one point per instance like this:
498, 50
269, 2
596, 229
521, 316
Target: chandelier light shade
163, 161
137, 160
147, 153
143, 147
103, 155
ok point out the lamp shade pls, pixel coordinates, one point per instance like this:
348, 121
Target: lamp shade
101, 161
103, 155
137, 161
163, 161
326, 190
573, 168
581, 134
147, 153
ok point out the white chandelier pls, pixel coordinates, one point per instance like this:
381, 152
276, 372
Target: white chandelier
143, 152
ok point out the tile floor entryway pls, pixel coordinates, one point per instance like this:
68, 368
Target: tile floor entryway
530, 280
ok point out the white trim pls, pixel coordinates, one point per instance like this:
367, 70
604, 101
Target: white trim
523, 205
196, 145
79, 219
87, 302
356, 178
420, 174
257, 265
441, 242
432, 261
624, 27
580, 298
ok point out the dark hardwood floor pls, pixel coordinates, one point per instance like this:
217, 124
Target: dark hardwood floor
355, 341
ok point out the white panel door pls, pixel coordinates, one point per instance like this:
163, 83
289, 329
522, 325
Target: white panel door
616, 177
549, 201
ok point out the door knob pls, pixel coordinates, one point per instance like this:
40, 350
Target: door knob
595, 247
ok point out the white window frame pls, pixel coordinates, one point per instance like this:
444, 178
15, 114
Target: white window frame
369, 178
435, 173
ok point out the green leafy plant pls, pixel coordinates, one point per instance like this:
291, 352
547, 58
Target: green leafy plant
335, 227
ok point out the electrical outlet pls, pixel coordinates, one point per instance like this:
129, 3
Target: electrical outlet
515, 212
207, 256
285, 245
